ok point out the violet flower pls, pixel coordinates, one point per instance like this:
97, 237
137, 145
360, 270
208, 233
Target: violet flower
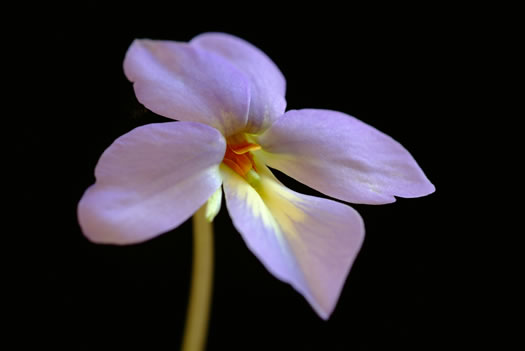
228, 97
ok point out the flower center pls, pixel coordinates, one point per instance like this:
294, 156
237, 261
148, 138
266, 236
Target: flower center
238, 156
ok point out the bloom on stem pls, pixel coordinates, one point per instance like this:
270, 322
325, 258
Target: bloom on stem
228, 97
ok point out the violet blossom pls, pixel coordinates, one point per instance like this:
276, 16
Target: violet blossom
229, 100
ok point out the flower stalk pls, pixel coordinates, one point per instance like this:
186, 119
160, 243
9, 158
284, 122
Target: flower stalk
197, 317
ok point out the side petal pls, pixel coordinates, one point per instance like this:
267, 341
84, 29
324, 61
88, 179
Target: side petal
150, 180
268, 84
182, 82
306, 241
342, 157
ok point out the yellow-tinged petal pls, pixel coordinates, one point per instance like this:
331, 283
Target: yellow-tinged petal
306, 241
213, 205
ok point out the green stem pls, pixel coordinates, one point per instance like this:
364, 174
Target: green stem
200, 294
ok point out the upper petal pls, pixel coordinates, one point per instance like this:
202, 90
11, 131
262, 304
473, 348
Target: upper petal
182, 82
268, 84
342, 157
150, 180
306, 241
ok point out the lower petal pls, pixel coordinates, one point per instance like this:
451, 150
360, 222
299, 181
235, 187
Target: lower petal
306, 241
150, 180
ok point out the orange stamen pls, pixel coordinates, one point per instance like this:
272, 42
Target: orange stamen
244, 147
238, 156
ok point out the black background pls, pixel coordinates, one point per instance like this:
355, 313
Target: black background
400, 72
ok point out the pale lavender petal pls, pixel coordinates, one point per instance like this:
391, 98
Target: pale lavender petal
268, 83
185, 83
306, 241
150, 180
342, 157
